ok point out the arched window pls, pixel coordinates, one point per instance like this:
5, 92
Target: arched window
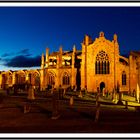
102, 63
123, 78
66, 79
20, 78
51, 79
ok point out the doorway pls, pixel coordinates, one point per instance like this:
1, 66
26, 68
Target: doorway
102, 85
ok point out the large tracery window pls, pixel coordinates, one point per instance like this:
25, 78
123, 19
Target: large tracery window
66, 79
51, 79
102, 63
123, 78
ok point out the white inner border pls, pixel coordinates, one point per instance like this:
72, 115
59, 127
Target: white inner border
71, 4
69, 135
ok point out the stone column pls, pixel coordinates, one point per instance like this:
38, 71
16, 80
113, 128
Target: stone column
57, 79
42, 74
0, 81
73, 80
47, 57
14, 78
27, 78
83, 67
60, 56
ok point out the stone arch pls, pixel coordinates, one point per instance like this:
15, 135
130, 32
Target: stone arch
20, 77
102, 86
33, 77
6, 79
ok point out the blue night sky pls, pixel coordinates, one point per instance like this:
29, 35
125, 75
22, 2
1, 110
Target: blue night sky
26, 32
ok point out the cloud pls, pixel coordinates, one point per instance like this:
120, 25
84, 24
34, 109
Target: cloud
7, 54
24, 52
23, 61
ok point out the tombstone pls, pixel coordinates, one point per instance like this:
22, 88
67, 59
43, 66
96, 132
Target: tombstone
134, 93
55, 105
30, 99
71, 100
31, 95
114, 96
64, 92
126, 104
27, 108
75, 88
80, 94
103, 92
107, 94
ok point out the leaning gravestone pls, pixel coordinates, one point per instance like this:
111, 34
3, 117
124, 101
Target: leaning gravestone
71, 100
103, 91
30, 99
31, 95
80, 94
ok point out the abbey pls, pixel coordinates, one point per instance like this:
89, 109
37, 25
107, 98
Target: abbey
97, 65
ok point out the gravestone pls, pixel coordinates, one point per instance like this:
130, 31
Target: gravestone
31, 95
80, 94
55, 105
64, 91
71, 100
30, 99
103, 91
126, 104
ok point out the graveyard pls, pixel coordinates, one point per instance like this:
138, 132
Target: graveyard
74, 112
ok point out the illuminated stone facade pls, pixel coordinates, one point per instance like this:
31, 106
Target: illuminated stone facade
98, 65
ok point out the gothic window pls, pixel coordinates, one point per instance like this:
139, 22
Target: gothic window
51, 79
66, 79
102, 65
123, 78
20, 78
